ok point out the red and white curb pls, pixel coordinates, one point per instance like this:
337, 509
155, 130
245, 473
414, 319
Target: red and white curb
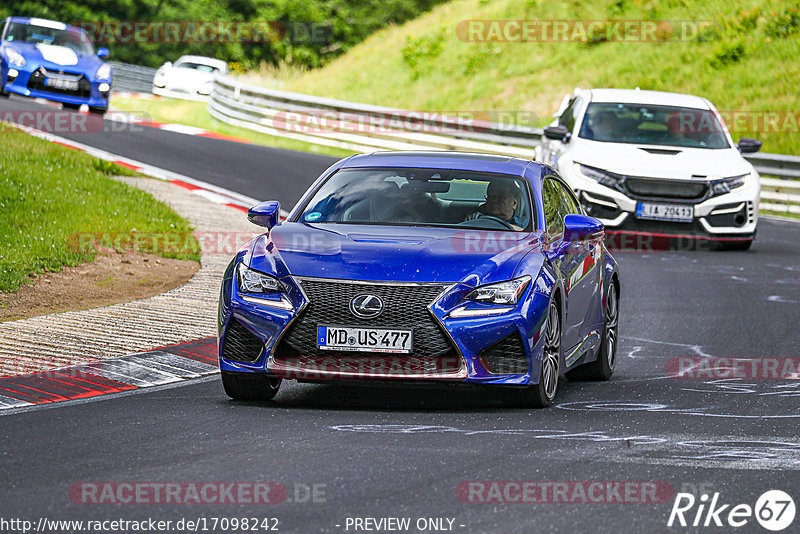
216, 194
164, 365
178, 128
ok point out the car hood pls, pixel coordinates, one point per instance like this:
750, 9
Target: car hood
54, 56
405, 254
657, 161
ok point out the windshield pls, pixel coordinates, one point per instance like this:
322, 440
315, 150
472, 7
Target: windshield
196, 66
653, 125
421, 197
73, 38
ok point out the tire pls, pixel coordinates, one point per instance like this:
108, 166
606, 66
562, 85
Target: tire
250, 386
70, 106
542, 394
733, 245
603, 367
98, 111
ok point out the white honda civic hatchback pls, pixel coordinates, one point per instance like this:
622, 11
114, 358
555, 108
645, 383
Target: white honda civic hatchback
655, 163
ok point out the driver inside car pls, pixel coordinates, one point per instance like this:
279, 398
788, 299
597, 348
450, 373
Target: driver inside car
501, 203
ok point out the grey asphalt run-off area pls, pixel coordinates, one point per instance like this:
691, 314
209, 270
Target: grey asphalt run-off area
404, 452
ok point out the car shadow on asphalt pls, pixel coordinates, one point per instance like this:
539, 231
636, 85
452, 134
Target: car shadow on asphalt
398, 397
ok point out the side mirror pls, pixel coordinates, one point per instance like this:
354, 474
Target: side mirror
748, 146
557, 133
265, 214
582, 228
102, 52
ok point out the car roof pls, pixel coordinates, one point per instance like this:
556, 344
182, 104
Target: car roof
636, 96
467, 161
42, 22
203, 60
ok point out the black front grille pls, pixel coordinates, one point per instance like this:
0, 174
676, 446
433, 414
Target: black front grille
240, 344
666, 189
507, 356
405, 307
36, 83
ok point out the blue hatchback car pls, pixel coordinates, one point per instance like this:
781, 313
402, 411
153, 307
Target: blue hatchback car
422, 266
46, 59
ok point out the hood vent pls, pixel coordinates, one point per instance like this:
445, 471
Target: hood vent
660, 151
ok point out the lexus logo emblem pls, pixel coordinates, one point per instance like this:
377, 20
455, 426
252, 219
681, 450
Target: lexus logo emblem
366, 306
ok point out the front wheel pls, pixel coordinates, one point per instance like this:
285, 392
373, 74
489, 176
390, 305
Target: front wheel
732, 245
98, 111
542, 394
250, 386
67, 105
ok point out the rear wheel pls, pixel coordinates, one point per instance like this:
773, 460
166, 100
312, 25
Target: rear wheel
603, 367
250, 386
542, 394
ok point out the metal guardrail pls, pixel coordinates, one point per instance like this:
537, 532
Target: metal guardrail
365, 127
132, 78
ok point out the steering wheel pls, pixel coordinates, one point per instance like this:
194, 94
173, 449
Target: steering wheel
505, 224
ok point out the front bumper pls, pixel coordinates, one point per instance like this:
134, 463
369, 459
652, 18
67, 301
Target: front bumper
732, 216
28, 83
257, 337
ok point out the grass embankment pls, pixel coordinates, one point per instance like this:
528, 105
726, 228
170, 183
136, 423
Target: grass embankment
745, 60
196, 114
50, 194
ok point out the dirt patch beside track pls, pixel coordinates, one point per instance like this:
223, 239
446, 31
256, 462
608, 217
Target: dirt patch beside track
110, 279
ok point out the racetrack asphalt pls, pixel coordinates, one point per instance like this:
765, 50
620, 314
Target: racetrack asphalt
400, 452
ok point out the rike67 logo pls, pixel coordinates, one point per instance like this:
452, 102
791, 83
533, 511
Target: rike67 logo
774, 510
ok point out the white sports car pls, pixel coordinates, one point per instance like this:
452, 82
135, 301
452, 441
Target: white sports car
190, 78
655, 163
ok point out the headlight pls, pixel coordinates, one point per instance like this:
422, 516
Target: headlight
720, 187
15, 58
602, 177
251, 281
104, 72
501, 293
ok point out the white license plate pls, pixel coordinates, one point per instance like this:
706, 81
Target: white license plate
60, 83
665, 212
365, 339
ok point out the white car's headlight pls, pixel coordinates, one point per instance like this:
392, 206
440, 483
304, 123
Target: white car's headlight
104, 72
720, 187
15, 58
600, 176
500, 293
251, 281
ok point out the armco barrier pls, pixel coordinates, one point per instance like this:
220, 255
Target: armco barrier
132, 78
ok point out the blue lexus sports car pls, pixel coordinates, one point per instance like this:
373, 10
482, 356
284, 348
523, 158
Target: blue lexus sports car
422, 266
46, 59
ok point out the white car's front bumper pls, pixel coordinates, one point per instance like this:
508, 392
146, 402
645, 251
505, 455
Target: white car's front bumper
733, 215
